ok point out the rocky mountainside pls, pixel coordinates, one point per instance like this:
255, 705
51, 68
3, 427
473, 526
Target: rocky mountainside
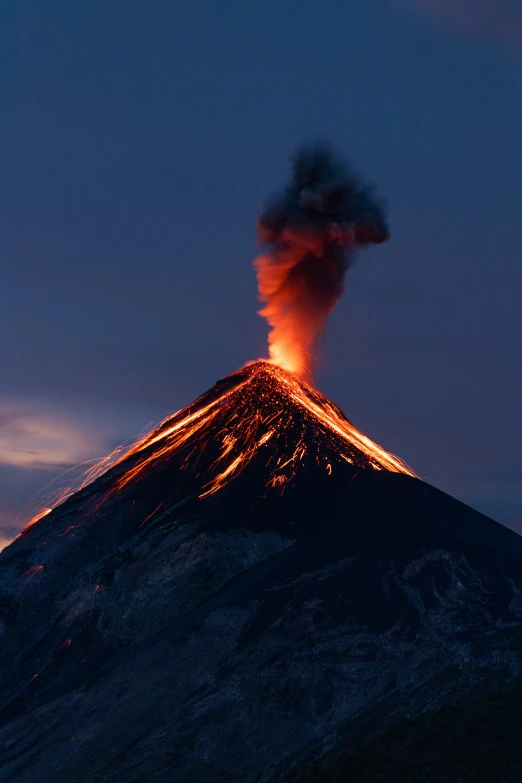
475, 739
254, 584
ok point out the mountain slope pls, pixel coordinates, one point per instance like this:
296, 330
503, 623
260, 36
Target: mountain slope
223, 605
475, 740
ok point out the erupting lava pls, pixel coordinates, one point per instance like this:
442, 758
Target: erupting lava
260, 420
260, 412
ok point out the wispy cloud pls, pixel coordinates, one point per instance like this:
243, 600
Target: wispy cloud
38, 438
46, 447
37, 443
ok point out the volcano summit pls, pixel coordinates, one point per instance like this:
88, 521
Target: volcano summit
254, 583
261, 415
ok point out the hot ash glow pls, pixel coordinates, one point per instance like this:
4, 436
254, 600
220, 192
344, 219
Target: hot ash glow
310, 232
262, 411
294, 308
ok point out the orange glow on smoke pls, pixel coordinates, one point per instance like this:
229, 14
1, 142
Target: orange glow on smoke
293, 308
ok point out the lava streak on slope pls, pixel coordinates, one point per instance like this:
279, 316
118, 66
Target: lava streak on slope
262, 412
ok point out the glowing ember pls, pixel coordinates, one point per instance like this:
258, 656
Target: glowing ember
36, 570
40, 515
260, 416
262, 412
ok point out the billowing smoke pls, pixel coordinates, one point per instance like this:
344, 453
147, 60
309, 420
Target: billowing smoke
310, 232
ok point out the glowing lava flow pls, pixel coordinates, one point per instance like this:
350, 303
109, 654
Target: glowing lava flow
40, 515
260, 409
260, 414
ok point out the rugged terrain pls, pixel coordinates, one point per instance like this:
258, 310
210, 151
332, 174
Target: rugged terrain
227, 604
473, 740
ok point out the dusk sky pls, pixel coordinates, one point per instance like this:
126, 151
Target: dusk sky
138, 142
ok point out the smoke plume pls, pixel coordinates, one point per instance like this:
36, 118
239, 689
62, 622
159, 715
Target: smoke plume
310, 232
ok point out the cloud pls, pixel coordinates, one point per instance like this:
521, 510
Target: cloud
500, 20
47, 448
37, 438
37, 444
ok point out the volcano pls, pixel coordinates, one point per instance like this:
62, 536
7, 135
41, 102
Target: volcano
253, 584
261, 415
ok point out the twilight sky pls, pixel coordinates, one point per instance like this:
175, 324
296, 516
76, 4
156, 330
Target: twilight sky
137, 143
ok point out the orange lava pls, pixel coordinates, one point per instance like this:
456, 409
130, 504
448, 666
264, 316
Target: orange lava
40, 515
262, 405
261, 411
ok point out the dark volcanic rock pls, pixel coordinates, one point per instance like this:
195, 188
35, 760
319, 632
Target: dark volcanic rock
475, 739
151, 634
